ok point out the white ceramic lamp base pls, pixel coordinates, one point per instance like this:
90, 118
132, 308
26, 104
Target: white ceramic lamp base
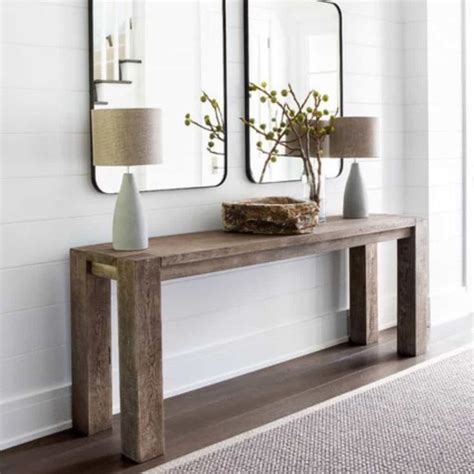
356, 201
129, 226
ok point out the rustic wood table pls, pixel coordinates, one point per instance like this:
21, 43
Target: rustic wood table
139, 276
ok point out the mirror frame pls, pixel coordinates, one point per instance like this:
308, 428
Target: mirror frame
92, 102
248, 167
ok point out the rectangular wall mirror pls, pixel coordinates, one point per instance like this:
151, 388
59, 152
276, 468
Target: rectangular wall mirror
162, 54
297, 42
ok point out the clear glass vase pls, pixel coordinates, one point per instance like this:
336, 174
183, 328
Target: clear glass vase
322, 199
305, 195
305, 188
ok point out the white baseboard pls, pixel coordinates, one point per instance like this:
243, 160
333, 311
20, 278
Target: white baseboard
36, 434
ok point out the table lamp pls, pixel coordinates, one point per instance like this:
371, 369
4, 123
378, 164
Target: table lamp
127, 137
355, 137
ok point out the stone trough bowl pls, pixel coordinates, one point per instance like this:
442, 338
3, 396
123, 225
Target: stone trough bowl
270, 215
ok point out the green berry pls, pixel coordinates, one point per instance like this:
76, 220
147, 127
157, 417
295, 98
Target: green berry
210, 144
203, 98
263, 100
325, 98
259, 144
263, 84
284, 92
326, 112
187, 122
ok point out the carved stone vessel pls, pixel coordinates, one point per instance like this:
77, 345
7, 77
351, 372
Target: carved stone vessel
270, 215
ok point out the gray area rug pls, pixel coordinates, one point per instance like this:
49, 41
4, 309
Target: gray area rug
418, 421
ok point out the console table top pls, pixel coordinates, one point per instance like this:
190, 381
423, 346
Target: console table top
199, 246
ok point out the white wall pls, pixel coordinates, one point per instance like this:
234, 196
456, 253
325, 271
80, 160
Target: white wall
435, 170
215, 326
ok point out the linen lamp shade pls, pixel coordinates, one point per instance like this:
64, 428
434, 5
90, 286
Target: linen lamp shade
355, 137
126, 137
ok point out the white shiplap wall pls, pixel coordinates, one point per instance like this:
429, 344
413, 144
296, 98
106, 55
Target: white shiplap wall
215, 326
434, 149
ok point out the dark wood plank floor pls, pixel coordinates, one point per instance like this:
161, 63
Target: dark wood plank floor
203, 417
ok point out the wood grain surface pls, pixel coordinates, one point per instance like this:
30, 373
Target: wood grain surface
141, 378
91, 346
412, 301
363, 294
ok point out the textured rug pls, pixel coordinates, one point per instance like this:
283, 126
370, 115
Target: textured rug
417, 421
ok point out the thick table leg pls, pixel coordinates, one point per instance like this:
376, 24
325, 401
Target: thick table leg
91, 339
141, 383
413, 291
363, 294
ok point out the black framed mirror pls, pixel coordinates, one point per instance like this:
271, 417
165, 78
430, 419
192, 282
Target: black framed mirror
297, 42
162, 54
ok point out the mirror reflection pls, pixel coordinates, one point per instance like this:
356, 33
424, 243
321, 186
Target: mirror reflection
295, 42
161, 54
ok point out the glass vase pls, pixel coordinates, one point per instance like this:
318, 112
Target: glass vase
322, 199
305, 195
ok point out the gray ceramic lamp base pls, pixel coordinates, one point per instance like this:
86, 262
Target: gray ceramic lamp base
356, 201
129, 225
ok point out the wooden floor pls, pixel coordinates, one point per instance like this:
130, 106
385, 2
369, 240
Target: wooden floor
203, 417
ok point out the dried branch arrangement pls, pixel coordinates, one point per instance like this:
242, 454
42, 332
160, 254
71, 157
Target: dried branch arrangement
214, 124
298, 128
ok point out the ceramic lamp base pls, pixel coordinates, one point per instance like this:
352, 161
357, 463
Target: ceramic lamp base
356, 201
129, 225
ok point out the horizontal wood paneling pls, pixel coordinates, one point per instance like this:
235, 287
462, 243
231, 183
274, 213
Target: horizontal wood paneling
45, 154
33, 330
44, 111
43, 67
61, 25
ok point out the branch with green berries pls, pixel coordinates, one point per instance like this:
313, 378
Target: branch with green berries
297, 126
214, 124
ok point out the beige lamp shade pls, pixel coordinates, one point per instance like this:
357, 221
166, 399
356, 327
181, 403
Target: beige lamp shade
355, 137
126, 137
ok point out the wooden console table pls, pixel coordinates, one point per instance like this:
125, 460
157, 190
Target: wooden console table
139, 276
